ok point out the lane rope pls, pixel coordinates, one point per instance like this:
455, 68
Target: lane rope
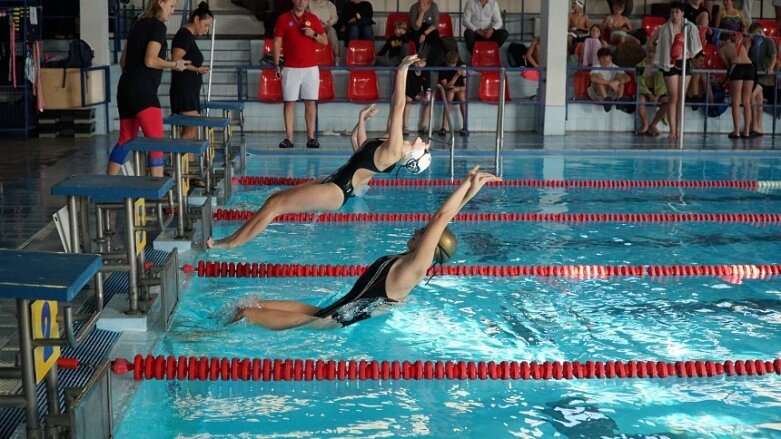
254, 269
602, 184
329, 217
268, 369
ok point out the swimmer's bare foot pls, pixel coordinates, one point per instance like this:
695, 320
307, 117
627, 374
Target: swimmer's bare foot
369, 112
216, 243
239, 315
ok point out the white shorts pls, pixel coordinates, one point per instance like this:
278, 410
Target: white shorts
300, 83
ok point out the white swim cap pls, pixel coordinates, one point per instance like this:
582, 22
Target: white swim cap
416, 160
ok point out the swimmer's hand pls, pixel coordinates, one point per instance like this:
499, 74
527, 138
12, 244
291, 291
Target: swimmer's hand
477, 180
408, 61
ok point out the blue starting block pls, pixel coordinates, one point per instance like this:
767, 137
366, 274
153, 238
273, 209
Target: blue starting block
178, 148
27, 276
226, 107
131, 191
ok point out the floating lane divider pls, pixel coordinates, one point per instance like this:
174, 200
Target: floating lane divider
267, 369
601, 184
253, 269
749, 218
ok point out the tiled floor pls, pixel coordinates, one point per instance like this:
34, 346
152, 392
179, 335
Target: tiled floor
29, 168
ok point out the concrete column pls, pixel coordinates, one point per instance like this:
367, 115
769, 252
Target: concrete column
94, 30
553, 42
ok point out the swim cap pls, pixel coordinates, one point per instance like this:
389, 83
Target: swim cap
446, 247
416, 160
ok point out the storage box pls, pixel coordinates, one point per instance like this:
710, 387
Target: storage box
55, 96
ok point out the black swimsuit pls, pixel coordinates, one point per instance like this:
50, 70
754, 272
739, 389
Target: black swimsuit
367, 294
361, 159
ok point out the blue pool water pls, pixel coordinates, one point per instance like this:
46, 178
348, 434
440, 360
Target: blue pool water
481, 318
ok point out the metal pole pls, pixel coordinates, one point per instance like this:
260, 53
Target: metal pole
132, 274
73, 218
28, 371
211, 64
682, 88
179, 196
500, 121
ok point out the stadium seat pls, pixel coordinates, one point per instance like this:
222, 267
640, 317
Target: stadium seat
390, 23
489, 87
268, 47
324, 55
651, 24
769, 26
270, 86
326, 86
445, 26
360, 53
703, 31
485, 54
362, 86
582, 80
712, 58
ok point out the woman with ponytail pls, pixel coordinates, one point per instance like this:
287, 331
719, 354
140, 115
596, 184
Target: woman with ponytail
143, 61
186, 85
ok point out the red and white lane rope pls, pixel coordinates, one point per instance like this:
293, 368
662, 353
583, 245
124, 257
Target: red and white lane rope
267, 369
328, 217
254, 269
600, 184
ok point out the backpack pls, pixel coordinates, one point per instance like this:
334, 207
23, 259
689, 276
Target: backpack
80, 54
516, 55
720, 103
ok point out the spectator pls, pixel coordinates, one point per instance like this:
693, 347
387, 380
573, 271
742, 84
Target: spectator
424, 19
696, 12
356, 21
616, 27
143, 61
669, 56
185, 90
651, 89
532, 61
326, 12
395, 48
741, 74
297, 32
697, 91
731, 18
763, 55
418, 90
454, 83
591, 46
607, 84
483, 22
627, 6
578, 25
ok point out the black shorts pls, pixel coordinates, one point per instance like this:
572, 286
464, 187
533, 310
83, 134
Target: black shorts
676, 70
742, 72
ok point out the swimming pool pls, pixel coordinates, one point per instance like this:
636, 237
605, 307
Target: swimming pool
487, 318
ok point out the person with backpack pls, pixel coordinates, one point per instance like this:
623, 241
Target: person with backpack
185, 88
143, 61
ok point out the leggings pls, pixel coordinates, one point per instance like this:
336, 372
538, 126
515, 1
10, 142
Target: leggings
150, 120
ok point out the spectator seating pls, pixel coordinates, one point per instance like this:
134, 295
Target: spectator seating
393, 18
324, 57
445, 26
362, 84
769, 26
489, 87
582, 82
651, 24
485, 54
270, 86
268, 47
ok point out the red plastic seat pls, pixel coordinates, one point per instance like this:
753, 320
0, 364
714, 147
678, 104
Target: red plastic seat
582, 82
489, 87
362, 86
445, 26
769, 26
270, 88
326, 86
324, 55
360, 53
712, 58
703, 31
651, 24
485, 54
393, 18
268, 47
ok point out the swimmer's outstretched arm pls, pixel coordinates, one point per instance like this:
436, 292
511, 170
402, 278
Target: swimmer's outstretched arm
396, 116
358, 135
412, 267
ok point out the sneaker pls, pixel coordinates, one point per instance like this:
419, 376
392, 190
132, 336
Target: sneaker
312, 143
464, 132
607, 107
405, 131
286, 144
442, 132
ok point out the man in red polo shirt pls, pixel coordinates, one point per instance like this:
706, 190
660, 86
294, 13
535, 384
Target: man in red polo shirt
297, 32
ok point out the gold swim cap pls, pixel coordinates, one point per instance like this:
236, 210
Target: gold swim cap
446, 248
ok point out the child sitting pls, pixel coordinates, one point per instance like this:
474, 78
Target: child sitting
395, 48
455, 87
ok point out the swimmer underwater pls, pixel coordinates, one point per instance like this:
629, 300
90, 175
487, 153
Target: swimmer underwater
389, 279
372, 156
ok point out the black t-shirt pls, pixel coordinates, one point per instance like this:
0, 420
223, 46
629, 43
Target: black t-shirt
691, 14
187, 80
393, 45
417, 84
137, 88
447, 75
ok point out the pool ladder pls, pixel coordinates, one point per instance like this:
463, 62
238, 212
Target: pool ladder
451, 141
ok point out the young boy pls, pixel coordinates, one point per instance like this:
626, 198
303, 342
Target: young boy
395, 48
579, 23
455, 87
616, 26
418, 89
607, 85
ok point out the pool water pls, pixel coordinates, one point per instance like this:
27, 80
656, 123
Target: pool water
483, 319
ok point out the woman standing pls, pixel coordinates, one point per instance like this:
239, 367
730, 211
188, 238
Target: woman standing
424, 19
186, 85
142, 62
731, 18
